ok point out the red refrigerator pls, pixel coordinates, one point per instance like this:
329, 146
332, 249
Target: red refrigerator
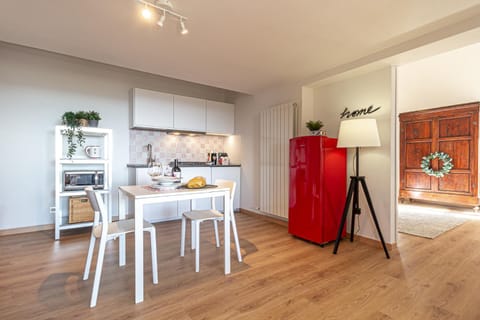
318, 186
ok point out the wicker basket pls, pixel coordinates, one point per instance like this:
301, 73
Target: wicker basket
80, 210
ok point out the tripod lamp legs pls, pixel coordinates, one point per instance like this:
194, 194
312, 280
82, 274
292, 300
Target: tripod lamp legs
353, 188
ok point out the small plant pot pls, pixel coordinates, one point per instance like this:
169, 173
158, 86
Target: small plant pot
83, 122
318, 132
93, 123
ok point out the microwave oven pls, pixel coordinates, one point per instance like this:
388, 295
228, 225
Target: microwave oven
78, 180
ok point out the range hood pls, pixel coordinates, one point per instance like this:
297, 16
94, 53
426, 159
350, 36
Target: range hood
185, 133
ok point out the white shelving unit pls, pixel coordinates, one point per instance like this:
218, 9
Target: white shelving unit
80, 161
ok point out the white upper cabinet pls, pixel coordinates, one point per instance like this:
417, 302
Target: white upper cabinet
165, 111
189, 113
220, 117
151, 109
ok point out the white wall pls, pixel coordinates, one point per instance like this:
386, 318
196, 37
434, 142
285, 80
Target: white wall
36, 88
247, 125
375, 163
442, 80
233, 146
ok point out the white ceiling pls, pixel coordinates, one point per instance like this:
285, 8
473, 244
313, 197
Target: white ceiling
244, 46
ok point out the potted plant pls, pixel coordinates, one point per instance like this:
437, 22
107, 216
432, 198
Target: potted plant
93, 117
82, 118
314, 127
70, 120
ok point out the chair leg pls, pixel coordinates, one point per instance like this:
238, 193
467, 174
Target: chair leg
192, 236
98, 272
215, 226
182, 240
122, 252
197, 246
235, 236
153, 247
88, 262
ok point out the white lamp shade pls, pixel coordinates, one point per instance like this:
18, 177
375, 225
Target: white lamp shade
358, 133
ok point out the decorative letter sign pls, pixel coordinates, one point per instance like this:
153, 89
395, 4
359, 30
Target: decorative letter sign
359, 112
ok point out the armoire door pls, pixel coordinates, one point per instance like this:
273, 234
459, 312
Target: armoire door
452, 130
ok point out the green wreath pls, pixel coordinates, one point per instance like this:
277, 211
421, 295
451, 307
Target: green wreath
447, 164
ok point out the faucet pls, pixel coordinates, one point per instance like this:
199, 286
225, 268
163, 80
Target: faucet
150, 159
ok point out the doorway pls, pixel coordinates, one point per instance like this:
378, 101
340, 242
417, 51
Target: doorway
440, 80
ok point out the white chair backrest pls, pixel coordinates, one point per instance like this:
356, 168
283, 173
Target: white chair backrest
232, 185
98, 206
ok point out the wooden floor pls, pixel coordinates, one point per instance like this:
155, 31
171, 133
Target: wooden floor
281, 278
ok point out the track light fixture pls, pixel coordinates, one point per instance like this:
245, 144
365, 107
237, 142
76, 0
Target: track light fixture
161, 21
182, 25
163, 7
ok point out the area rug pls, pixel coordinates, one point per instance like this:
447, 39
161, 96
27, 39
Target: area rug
427, 225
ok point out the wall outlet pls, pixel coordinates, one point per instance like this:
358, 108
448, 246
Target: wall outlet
52, 209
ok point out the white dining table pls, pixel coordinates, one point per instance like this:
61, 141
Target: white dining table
144, 195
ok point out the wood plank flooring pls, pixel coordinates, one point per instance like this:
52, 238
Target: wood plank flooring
282, 277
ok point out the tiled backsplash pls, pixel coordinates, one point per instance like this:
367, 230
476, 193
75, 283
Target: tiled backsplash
167, 147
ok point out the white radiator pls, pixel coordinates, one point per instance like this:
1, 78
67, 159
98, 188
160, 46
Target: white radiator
277, 126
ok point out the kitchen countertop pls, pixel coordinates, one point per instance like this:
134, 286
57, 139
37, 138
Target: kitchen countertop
182, 165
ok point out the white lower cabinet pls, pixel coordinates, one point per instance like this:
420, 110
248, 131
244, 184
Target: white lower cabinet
173, 210
158, 211
187, 174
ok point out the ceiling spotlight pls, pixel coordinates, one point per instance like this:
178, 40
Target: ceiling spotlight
162, 20
146, 13
162, 7
182, 25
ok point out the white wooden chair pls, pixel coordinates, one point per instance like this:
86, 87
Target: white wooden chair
110, 231
198, 216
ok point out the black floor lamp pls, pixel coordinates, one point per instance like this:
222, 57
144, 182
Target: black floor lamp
358, 133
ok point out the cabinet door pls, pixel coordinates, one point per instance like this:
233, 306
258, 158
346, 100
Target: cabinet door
151, 109
452, 130
305, 215
417, 142
227, 173
157, 211
220, 117
187, 174
189, 113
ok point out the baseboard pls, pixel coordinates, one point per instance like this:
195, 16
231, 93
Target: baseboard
277, 220
256, 214
266, 217
8, 232
371, 242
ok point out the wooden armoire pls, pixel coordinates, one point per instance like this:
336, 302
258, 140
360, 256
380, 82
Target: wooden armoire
452, 130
